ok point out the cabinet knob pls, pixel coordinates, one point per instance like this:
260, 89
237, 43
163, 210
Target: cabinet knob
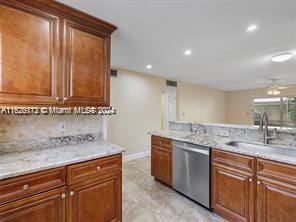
72, 193
66, 98
57, 98
26, 187
63, 196
258, 182
98, 167
250, 179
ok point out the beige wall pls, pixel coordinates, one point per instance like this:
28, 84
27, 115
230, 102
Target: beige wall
239, 104
202, 104
138, 99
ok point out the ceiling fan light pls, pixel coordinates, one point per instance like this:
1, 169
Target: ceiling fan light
273, 92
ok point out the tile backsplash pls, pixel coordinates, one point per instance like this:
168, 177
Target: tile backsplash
22, 128
284, 137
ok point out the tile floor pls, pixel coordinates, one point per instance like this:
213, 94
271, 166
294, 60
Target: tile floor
145, 200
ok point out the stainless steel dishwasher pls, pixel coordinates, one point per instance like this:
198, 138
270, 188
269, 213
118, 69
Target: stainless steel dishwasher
191, 171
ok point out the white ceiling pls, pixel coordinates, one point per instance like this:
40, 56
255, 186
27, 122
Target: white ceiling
223, 56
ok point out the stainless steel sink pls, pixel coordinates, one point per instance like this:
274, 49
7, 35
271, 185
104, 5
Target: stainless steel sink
262, 148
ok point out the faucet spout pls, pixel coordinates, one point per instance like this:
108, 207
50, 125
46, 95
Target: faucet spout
263, 127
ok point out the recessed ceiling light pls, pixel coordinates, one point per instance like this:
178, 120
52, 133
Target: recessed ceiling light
149, 66
282, 57
188, 52
252, 28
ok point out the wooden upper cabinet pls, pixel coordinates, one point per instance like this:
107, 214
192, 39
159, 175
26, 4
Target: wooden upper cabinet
86, 65
29, 59
53, 54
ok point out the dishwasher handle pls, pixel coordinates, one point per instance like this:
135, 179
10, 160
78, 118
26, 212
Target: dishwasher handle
196, 150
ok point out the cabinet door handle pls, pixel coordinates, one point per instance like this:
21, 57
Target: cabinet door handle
250, 179
63, 196
26, 187
258, 182
72, 193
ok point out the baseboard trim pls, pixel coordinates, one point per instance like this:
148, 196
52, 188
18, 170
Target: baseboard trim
135, 156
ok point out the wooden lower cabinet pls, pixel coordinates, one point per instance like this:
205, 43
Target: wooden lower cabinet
232, 194
91, 193
276, 201
96, 200
162, 160
161, 165
45, 207
266, 193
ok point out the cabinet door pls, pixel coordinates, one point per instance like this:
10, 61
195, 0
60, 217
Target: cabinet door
276, 201
45, 207
232, 194
29, 45
96, 200
161, 165
86, 65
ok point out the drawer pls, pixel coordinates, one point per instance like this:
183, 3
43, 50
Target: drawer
161, 142
233, 160
24, 186
276, 170
87, 170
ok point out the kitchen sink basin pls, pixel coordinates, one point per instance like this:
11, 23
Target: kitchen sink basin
262, 148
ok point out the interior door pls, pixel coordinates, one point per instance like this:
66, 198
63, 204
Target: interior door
97, 200
29, 55
86, 65
276, 201
170, 106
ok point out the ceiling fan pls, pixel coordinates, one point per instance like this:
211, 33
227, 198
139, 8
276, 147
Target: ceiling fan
275, 89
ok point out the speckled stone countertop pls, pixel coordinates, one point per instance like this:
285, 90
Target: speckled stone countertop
219, 142
24, 162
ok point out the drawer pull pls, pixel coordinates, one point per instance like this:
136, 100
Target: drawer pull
98, 167
63, 196
26, 187
72, 193
258, 182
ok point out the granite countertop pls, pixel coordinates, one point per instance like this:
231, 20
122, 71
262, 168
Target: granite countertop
24, 162
219, 142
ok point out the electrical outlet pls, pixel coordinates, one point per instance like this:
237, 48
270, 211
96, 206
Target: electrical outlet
62, 127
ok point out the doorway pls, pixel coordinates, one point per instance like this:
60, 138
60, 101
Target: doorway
169, 106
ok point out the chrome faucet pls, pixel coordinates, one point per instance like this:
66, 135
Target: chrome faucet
264, 129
